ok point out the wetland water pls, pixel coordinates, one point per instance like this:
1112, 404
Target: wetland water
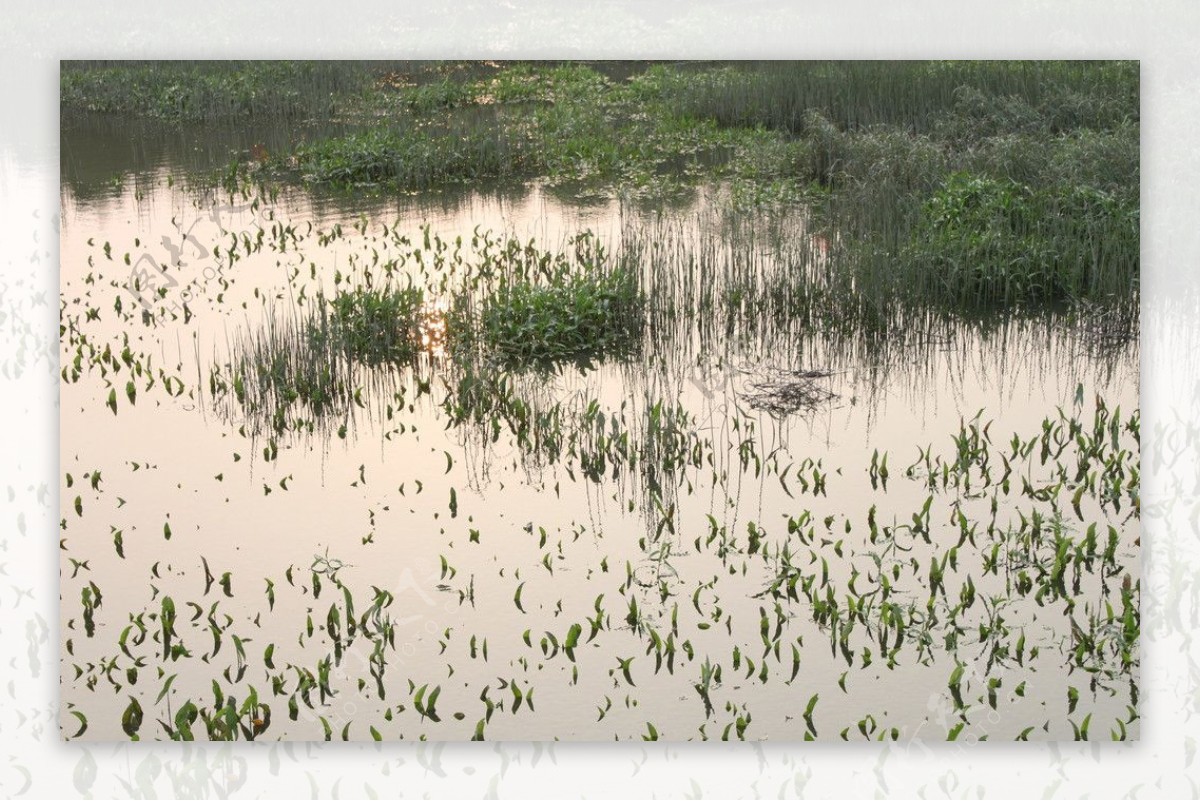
744, 524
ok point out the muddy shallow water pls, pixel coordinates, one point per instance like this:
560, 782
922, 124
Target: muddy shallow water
399, 572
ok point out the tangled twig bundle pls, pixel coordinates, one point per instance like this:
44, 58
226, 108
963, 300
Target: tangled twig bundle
785, 392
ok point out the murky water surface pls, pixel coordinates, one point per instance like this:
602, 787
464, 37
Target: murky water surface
703, 539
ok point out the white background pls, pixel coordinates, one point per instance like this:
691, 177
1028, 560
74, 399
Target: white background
1164, 35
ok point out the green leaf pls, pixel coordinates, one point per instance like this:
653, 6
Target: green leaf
166, 688
131, 720
625, 669
808, 713
572, 640
83, 723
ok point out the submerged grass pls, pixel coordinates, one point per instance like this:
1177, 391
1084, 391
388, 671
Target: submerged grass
718, 283
515, 307
290, 369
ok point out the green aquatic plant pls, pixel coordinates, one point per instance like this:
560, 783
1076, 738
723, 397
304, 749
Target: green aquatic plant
310, 366
571, 317
291, 372
915, 95
983, 241
376, 326
876, 149
206, 90
411, 157
298, 362
988, 557
967, 596
437, 95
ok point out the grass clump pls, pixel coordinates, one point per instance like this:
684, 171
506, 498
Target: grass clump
573, 317
302, 369
192, 91
446, 93
288, 374
533, 83
569, 124
993, 242
412, 159
956, 99
378, 326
